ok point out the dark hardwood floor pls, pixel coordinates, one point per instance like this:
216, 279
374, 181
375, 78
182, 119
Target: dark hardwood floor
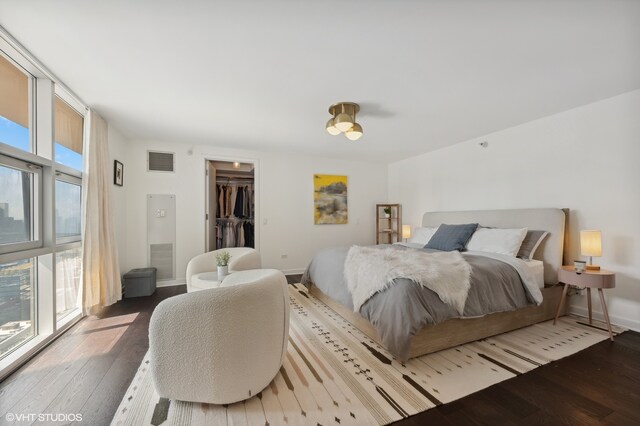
600, 385
88, 369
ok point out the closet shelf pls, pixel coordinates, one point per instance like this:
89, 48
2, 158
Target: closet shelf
234, 219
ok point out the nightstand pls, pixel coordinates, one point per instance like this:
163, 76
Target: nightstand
588, 279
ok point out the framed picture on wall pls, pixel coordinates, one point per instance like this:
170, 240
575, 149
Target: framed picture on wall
330, 200
118, 173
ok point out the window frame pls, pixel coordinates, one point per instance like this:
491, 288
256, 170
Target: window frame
37, 240
43, 87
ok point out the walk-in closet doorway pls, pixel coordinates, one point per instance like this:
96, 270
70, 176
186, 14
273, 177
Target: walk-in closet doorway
230, 204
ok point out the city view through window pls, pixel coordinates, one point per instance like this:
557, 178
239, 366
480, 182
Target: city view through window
16, 303
68, 209
16, 278
15, 205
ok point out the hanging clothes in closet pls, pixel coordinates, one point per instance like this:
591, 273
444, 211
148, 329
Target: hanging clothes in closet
235, 200
234, 214
235, 233
248, 234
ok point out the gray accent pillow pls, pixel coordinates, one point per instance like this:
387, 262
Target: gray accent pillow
451, 237
530, 244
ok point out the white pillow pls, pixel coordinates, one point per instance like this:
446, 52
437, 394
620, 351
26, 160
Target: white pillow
422, 235
495, 240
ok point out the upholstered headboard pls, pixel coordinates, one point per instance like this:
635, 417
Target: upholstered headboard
551, 220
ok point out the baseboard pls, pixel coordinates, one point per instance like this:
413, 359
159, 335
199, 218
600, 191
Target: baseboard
615, 320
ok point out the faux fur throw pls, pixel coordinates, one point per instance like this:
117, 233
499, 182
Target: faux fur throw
368, 270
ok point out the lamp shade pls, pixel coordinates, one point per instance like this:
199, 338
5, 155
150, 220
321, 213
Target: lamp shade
333, 130
343, 122
354, 133
591, 243
406, 231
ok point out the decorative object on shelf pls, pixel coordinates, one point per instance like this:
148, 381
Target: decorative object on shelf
330, 200
388, 223
580, 266
118, 173
222, 262
591, 245
406, 232
344, 120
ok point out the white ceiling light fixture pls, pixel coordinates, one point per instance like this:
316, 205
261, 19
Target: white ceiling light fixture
344, 120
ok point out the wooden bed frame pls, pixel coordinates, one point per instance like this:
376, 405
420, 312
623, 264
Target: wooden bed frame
453, 332
458, 331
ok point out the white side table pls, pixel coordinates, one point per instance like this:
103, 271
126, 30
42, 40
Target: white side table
588, 279
205, 281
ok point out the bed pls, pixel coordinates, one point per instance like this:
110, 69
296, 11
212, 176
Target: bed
418, 336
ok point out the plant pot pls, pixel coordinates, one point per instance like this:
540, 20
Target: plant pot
223, 271
387, 215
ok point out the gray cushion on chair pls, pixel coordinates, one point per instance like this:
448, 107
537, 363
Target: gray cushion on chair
451, 237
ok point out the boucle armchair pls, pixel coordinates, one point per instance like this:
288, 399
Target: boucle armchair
221, 345
242, 258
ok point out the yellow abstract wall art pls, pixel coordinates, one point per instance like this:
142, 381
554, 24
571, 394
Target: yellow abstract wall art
330, 199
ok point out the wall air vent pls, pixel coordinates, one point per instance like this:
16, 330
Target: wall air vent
161, 257
160, 161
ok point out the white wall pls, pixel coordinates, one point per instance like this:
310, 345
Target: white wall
586, 159
118, 146
284, 200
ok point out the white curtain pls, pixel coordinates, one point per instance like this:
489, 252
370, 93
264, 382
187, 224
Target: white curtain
68, 278
100, 270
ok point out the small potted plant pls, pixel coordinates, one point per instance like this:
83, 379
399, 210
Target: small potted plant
222, 261
387, 212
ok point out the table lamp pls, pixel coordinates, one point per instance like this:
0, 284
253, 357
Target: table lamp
406, 232
591, 245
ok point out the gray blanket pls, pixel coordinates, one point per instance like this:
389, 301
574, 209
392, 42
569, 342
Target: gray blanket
400, 311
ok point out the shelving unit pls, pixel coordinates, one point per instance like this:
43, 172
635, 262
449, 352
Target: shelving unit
388, 223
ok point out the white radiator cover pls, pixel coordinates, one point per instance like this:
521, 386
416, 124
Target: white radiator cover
161, 235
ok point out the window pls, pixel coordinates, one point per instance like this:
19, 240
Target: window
19, 200
17, 312
68, 208
40, 206
68, 135
68, 269
14, 106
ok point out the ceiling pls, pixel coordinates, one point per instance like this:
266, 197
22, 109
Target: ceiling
261, 74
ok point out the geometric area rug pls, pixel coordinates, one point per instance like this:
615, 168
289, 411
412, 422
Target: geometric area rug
334, 374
